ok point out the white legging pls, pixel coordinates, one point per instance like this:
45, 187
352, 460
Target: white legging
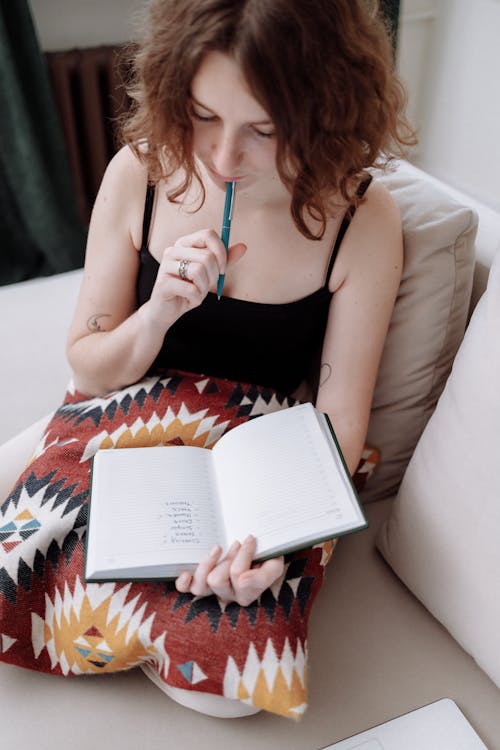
14, 456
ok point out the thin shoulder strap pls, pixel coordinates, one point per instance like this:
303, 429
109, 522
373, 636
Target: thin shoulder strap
363, 187
148, 212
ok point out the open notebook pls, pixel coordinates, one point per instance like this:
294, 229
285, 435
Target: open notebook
437, 726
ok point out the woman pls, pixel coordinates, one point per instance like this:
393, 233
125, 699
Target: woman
293, 102
293, 105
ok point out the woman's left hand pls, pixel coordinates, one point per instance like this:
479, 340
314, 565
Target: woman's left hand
232, 578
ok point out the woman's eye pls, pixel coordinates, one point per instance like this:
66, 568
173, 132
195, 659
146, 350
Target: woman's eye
211, 118
263, 134
202, 118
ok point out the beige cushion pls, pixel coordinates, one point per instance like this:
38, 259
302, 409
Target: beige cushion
428, 322
443, 537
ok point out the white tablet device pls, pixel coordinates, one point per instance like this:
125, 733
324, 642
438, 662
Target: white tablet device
440, 726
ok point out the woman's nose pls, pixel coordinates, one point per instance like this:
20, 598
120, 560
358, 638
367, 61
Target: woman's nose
227, 153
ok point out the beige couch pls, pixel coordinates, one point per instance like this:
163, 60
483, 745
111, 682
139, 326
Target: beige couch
375, 650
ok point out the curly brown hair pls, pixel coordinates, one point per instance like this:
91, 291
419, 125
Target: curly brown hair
322, 69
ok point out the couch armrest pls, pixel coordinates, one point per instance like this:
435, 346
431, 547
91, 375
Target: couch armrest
35, 319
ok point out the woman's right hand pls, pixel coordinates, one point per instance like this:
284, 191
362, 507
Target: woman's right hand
111, 343
204, 257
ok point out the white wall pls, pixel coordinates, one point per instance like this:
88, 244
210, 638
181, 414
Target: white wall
455, 99
415, 35
62, 24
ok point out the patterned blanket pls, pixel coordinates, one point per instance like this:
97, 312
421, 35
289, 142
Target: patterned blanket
52, 621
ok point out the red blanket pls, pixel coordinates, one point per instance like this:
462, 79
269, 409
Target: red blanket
52, 621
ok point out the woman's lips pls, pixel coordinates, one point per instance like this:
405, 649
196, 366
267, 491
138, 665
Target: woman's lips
223, 178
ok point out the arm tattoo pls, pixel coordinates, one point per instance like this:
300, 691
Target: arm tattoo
325, 373
93, 322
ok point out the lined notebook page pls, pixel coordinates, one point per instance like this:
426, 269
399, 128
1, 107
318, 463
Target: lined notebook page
276, 479
157, 501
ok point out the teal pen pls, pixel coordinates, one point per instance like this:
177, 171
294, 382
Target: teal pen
226, 228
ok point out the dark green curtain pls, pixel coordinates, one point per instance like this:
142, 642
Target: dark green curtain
40, 230
390, 8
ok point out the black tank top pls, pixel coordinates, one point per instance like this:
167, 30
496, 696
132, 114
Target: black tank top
271, 345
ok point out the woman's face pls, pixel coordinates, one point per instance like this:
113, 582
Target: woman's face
233, 135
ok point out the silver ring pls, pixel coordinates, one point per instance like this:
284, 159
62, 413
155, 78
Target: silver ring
183, 269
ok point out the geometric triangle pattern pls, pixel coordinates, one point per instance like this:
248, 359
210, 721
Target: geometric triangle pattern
22, 526
192, 672
52, 621
89, 630
271, 681
5, 642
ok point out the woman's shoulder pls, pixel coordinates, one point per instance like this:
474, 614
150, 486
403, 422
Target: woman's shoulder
377, 217
121, 197
376, 206
374, 240
128, 168
378, 199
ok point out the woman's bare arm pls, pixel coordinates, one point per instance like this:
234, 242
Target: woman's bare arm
365, 282
110, 343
